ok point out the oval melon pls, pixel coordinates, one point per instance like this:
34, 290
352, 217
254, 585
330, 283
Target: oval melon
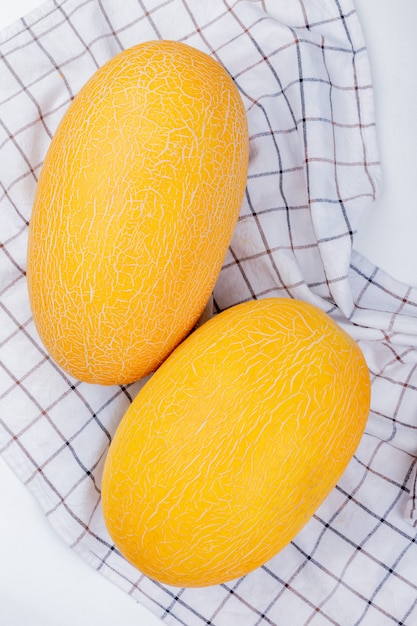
135, 207
230, 447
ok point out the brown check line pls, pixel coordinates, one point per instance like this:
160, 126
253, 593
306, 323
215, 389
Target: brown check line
274, 249
151, 21
335, 159
4, 244
109, 24
199, 28
25, 90
292, 129
72, 386
286, 586
273, 209
358, 101
312, 25
413, 492
268, 253
390, 571
258, 104
398, 356
306, 148
67, 20
372, 280
6, 194
404, 386
233, 592
286, 288
114, 32
276, 146
310, 43
327, 526
52, 487
55, 65
394, 418
15, 332
22, 153
405, 300
16, 34
136, 586
350, 496
43, 413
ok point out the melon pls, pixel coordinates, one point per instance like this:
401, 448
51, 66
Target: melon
135, 206
234, 442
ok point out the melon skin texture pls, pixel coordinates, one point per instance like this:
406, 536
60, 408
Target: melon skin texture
231, 446
135, 207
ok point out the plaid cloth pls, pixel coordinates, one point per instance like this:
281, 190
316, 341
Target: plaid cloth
303, 72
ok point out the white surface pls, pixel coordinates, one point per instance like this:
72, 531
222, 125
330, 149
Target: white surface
388, 231
66, 591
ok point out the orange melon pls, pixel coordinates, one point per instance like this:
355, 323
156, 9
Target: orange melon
135, 207
230, 447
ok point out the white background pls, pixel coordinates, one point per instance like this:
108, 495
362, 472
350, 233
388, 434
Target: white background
68, 592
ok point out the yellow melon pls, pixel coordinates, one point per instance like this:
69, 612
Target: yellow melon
230, 447
135, 206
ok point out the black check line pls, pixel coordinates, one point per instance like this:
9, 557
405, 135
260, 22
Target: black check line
389, 418
16, 332
24, 89
93, 509
175, 596
367, 466
304, 131
413, 507
73, 386
54, 64
3, 247
372, 280
390, 570
328, 525
276, 146
53, 488
183, 597
200, 28
109, 24
233, 592
21, 270
316, 609
412, 538
403, 621
314, 24
286, 585
400, 383
359, 548
67, 19
21, 152
48, 30
395, 314
237, 262
6, 193
282, 283
358, 103
85, 476
43, 413
104, 562
150, 20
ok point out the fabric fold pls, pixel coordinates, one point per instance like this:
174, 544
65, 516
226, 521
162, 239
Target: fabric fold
303, 72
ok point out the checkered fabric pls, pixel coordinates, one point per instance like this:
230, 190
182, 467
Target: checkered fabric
302, 69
